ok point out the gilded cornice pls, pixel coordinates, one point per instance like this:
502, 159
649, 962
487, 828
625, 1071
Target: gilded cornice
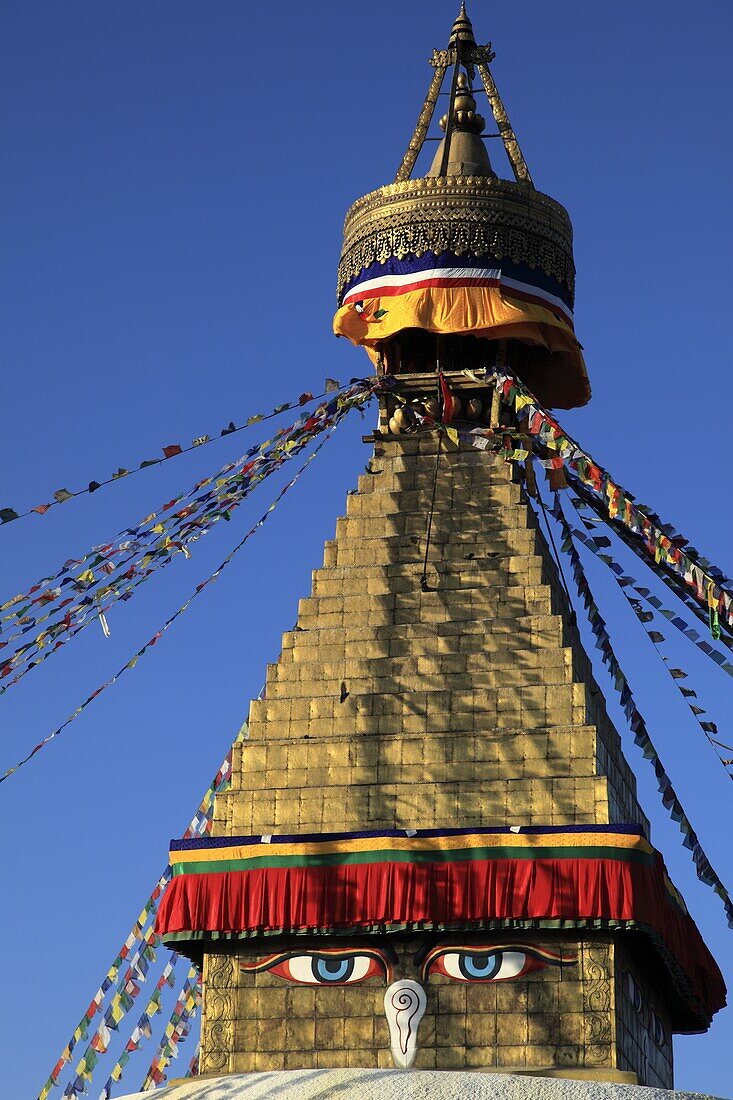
464, 214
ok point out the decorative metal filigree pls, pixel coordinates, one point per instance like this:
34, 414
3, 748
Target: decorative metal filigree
516, 159
217, 1033
418, 138
597, 1003
462, 214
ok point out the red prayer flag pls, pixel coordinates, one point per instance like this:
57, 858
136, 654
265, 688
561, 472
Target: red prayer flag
447, 400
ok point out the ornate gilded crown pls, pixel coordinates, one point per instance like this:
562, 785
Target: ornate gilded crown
460, 254
480, 215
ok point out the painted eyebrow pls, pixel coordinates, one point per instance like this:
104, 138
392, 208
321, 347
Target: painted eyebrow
328, 952
562, 958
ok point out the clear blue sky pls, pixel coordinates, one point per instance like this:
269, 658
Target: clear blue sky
175, 179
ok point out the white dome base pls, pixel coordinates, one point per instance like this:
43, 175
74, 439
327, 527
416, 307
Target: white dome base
393, 1084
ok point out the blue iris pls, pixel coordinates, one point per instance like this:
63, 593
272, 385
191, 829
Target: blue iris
479, 966
329, 969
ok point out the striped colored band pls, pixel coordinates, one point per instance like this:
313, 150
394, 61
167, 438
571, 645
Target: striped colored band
395, 285
397, 276
416, 835
205, 858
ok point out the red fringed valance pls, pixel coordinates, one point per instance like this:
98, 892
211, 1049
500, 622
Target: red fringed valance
392, 882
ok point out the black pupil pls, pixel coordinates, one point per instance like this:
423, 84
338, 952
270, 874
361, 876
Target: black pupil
329, 969
479, 966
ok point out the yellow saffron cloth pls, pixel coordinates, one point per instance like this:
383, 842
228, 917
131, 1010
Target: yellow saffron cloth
476, 311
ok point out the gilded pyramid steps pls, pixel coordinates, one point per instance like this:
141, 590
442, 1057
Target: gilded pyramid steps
469, 703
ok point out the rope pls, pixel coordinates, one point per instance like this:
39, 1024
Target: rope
704, 869
201, 441
558, 560
424, 579
172, 618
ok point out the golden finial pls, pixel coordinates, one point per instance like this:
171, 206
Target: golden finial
464, 109
462, 30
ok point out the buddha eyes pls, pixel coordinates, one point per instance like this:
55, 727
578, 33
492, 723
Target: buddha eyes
328, 969
634, 991
336, 966
483, 966
490, 964
332, 967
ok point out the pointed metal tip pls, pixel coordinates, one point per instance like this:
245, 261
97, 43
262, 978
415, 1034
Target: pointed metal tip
462, 29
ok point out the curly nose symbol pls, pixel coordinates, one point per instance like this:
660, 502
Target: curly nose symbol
404, 1007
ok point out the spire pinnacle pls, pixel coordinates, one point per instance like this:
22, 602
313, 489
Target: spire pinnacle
463, 53
462, 31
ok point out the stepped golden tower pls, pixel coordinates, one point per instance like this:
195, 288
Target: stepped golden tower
431, 854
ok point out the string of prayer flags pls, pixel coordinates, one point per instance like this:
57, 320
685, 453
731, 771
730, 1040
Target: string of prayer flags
176, 1030
127, 991
121, 1004
596, 546
661, 543
247, 469
81, 1030
171, 619
102, 554
683, 593
143, 1029
198, 826
670, 800
114, 571
61, 496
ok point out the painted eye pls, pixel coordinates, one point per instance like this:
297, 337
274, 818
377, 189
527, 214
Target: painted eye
633, 990
657, 1029
324, 967
484, 966
491, 964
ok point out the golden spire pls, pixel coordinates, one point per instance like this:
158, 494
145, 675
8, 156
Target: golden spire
467, 153
462, 31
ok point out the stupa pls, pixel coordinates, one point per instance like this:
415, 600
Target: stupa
431, 855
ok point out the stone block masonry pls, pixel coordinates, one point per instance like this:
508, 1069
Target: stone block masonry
467, 704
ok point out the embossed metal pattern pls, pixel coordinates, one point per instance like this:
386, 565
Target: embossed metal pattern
597, 1003
478, 215
416, 141
516, 158
217, 1033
